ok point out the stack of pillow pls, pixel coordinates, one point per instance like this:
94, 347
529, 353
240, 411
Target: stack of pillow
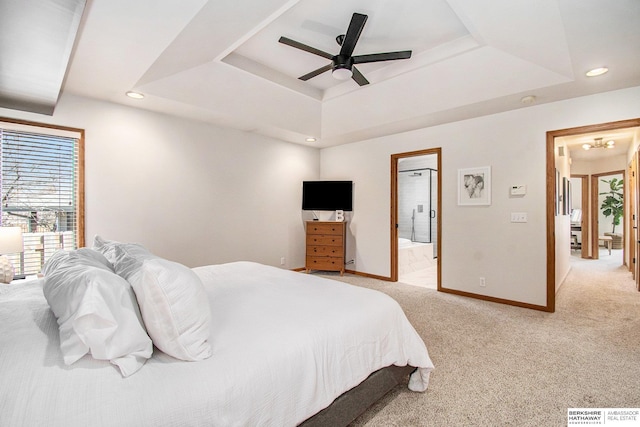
116, 300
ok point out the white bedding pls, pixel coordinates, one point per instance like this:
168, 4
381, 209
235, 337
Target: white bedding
285, 345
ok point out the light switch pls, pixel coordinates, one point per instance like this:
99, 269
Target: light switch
518, 217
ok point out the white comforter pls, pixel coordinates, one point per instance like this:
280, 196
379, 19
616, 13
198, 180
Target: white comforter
285, 346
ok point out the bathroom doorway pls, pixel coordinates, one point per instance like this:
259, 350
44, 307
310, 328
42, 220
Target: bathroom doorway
416, 218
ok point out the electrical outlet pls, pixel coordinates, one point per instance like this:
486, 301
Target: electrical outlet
282, 260
482, 282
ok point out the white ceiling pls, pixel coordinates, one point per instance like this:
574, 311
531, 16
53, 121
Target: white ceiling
35, 48
220, 61
623, 139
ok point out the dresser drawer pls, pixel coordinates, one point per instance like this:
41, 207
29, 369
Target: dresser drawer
325, 263
324, 239
326, 250
325, 228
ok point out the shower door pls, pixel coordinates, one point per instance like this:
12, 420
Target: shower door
417, 207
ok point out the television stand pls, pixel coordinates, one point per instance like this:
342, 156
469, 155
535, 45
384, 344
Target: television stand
326, 246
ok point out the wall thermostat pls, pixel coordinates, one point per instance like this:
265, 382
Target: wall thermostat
518, 190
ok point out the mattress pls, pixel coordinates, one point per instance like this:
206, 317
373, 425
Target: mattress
285, 345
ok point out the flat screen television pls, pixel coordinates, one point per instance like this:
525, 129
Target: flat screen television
327, 195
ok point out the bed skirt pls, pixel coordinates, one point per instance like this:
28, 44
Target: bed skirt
350, 405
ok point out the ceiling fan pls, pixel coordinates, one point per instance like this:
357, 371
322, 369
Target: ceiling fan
342, 65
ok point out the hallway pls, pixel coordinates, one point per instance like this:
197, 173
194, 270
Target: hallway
599, 286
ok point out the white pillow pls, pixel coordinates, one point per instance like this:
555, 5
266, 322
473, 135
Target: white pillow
58, 258
96, 310
106, 247
172, 299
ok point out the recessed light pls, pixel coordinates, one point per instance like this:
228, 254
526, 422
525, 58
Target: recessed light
135, 95
310, 139
597, 71
529, 99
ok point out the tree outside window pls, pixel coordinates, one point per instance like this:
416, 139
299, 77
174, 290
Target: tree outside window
40, 188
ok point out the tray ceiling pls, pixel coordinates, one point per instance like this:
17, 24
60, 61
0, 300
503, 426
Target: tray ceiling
221, 62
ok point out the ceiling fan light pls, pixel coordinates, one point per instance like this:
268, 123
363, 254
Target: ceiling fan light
586, 146
342, 74
610, 144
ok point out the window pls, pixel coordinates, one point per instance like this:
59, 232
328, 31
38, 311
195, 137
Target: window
42, 189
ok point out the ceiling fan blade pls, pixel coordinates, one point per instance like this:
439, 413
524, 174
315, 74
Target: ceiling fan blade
353, 34
377, 57
358, 77
316, 72
301, 46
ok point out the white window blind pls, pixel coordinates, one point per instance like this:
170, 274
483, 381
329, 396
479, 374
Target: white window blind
39, 194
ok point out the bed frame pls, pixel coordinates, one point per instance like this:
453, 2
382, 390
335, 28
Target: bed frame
353, 403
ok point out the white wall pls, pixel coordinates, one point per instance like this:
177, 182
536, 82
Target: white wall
576, 193
562, 219
600, 165
476, 241
633, 148
190, 192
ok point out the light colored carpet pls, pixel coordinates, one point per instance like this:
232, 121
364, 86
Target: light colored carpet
498, 365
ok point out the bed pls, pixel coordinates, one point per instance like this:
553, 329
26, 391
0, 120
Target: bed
287, 348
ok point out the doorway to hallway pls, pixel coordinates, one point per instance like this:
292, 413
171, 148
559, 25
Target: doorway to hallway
558, 223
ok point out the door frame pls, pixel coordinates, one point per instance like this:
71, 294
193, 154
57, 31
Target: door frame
551, 177
394, 209
595, 213
584, 222
631, 208
633, 229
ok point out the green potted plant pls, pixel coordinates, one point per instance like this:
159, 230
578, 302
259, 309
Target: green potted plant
612, 206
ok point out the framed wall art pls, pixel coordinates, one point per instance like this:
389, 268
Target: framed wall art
474, 186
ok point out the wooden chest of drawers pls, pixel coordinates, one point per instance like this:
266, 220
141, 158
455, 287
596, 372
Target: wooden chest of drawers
326, 246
